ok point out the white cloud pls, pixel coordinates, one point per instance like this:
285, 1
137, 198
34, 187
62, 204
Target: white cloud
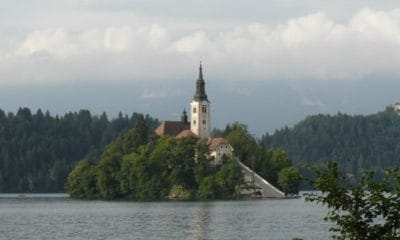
192, 43
313, 46
118, 39
61, 43
375, 25
155, 35
55, 42
300, 31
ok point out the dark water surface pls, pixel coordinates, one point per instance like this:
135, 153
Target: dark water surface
55, 216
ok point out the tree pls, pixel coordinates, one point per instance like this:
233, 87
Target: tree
157, 167
109, 168
228, 178
108, 171
289, 180
81, 181
366, 210
244, 144
278, 161
206, 188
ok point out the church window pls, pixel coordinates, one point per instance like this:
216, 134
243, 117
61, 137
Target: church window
194, 110
194, 122
204, 109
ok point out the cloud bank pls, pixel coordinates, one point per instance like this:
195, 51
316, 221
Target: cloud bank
135, 48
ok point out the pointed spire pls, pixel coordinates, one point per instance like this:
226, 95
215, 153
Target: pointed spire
200, 94
184, 117
200, 72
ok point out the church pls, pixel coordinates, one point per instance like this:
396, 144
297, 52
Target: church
199, 125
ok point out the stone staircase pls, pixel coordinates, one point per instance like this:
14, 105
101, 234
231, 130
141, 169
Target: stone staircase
257, 186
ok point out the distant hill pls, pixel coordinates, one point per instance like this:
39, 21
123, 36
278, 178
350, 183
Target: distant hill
357, 142
38, 150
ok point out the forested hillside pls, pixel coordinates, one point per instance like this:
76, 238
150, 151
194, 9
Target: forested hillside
38, 150
357, 143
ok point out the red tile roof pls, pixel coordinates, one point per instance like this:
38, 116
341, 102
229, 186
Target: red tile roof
215, 142
171, 128
187, 133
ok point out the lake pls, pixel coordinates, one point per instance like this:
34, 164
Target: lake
55, 216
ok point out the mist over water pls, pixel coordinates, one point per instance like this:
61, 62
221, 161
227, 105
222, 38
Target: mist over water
59, 217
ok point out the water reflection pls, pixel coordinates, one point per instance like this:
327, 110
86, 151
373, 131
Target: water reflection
201, 220
62, 218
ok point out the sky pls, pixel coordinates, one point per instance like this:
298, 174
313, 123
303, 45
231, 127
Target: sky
267, 63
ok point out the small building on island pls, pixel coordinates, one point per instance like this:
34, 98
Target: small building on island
396, 107
219, 147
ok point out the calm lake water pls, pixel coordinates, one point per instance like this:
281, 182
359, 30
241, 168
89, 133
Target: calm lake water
55, 216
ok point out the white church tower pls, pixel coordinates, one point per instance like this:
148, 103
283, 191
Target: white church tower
200, 122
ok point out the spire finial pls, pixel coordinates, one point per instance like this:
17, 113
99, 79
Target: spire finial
200, 93
200, 71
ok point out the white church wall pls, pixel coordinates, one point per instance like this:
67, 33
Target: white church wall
200, 122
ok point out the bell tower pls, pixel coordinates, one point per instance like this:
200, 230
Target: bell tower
200, 109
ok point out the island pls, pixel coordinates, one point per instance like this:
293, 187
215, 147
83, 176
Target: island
184, 160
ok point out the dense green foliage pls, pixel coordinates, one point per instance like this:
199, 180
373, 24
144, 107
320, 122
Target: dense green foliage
289, 180
272, 164
137, 167
83, 180
367, 210
37, 151
357, 143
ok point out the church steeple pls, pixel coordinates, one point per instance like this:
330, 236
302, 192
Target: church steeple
184, 117
200, 94
200, 114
